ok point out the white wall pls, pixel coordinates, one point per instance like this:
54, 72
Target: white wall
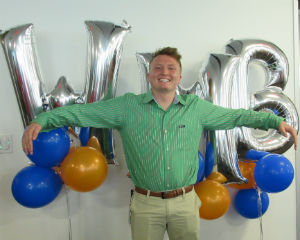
197, 28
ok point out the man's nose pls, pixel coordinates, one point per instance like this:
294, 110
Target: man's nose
165, 70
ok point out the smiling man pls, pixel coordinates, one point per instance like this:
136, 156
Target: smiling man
161, 132
165, 75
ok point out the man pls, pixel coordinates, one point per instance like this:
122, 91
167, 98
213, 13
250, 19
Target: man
161, 133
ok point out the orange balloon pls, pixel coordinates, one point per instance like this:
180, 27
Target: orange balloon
217, 176
84, 169
247, 171
215, 199
94, 143
72, 149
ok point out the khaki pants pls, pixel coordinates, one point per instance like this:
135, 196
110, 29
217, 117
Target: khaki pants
152, 216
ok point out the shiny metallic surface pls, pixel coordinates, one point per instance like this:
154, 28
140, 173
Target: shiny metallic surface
105, 41
104, 53
143, 60
218, 78
270, 56
21, 55
63, 94
225, 83
274, 101
197, 88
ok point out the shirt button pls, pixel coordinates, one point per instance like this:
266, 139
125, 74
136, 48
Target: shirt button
167, 149
168, 185
168, 168
166, 131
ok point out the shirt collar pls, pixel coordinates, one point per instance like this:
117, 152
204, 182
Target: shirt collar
149, 97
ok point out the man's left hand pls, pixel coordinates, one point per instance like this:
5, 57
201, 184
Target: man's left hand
285, 128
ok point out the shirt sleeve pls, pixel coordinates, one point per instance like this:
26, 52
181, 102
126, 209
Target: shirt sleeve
216, 118
101, 114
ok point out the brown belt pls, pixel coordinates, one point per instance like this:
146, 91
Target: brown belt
165, 195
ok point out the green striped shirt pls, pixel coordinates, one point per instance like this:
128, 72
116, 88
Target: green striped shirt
160, 147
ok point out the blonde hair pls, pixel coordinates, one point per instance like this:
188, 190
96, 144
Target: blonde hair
169, 51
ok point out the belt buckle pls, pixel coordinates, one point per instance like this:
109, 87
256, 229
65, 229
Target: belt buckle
163, 195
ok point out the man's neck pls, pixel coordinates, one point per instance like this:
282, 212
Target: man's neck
164, 99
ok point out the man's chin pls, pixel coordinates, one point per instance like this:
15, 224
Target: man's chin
165, 90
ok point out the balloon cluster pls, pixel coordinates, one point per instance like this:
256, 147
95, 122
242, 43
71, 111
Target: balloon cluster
265, 172
57, 161
83, 168
271, 173
104, 52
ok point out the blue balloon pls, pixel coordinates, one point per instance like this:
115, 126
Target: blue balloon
111, 144
200, 174
273, 173
84, 135
255, 155
36, 186
209, 159
50, 148
275, 111
248, 205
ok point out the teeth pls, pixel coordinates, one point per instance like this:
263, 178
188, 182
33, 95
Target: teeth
164, 80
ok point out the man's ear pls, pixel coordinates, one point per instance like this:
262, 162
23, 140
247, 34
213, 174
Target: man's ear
179, 80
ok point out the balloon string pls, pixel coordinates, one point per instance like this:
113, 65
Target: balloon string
69, 212
259, 208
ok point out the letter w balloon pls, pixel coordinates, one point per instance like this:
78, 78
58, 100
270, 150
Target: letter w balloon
104, 53
21, 57
105, 44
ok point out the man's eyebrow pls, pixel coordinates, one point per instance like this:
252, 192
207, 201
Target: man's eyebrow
170, 64
160, 64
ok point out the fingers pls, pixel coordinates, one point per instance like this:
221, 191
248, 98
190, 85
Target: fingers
26, 141
30, 134
35, 132
295, 137
293, 133
285, 128
283, 132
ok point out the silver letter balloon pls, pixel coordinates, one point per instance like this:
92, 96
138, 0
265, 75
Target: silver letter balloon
225, 81
104, 53
20, 52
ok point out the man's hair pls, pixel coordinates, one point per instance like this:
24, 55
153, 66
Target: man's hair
169, 51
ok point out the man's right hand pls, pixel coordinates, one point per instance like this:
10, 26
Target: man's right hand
30, 134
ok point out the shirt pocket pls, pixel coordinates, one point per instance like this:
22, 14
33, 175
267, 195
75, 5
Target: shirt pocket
184, 135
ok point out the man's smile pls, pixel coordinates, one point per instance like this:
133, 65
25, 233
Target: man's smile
164, 80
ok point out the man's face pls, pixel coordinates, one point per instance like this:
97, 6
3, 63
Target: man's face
165, 74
